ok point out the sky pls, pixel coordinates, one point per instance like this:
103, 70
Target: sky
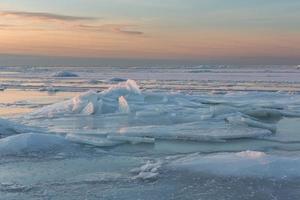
217, 31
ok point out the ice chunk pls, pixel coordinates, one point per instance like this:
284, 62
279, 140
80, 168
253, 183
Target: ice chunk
91, 102
89, 109
122, 89
9, 128
30, 142
200, 131
123, 105
147, 171
64, 74
117, 79
132, 86
239, 120
94, 141
82, 101
86, 103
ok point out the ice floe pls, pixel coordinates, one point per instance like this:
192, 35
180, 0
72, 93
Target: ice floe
245, 163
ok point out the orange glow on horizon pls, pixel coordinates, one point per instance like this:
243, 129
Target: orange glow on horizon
36, 35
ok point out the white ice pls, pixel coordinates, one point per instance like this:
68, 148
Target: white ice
91, 102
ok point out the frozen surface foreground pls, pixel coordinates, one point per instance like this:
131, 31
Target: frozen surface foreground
206, 132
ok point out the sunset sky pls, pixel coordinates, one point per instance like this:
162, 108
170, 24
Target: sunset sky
250, 31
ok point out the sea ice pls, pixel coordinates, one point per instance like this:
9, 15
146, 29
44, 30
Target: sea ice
150, 116
9, 128
30, 142
150, 170
245, 163
93, 141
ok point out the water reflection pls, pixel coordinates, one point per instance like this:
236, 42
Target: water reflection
14, 102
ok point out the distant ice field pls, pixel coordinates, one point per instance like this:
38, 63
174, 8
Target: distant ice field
150, 132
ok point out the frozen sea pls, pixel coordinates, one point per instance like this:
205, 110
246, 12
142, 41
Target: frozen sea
150, 132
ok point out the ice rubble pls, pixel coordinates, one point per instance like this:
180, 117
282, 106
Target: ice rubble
30, 142
150, 170
151, 116
91, 102
245, 163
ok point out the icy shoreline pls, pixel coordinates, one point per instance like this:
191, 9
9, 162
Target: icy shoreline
152, 116
120, 137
